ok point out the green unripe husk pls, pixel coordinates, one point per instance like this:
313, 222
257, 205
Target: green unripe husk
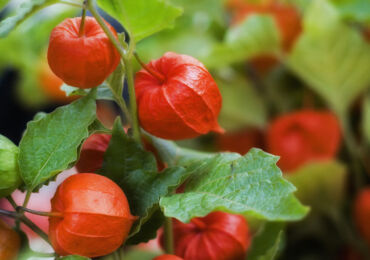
10, 178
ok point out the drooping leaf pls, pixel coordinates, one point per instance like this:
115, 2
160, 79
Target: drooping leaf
241, 104
50, 143
135, 171
251, 185
258, 34
142, 18
320, 184
26, 9
335, 67
266, 242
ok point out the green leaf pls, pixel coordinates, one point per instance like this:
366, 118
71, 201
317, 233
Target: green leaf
50, 144
142, 18
258, 34
9, 172
266, 242
366, 119
251, 185
354, 10
103, 91
241, 104
3, 3
336, 68
320, 184
26, 9
148, 230
135, 171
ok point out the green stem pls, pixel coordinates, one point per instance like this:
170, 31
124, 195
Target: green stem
40, 213
132, 96
353, 150
155, 74
126, 57
11, 201
122, 104
83, 18
26, 221
25, 202
168, 236
35, 228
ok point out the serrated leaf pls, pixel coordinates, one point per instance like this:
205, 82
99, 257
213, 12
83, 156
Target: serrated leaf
335, 67
354, 10
251, 185
142, 18
320, 184
242, 106
258, 34
135, 171
50, 143
266, 242
25, 9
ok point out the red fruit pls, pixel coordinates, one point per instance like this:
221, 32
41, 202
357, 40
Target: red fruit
362, 213
82, 61
9, 242
167, 257
218, 236
286, 17
178, 99
93, 149
303, 136
92, 153
240, 141
96, 217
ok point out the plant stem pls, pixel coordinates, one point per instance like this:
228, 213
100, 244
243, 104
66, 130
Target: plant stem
83, 18
26, 221
25, 202
132, 96
168, 236
34, 228
11, 201
126, 57
40, 213
353, 150
149, 70
122, 104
